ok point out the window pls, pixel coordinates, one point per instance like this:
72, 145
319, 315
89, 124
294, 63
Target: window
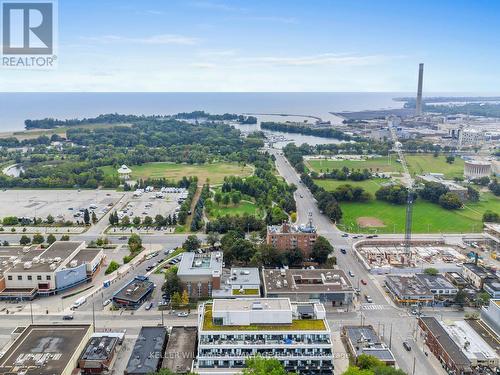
9, 277
19, 277
48, 277
30, 277
39, 277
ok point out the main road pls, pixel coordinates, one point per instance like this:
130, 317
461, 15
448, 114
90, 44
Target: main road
382, 314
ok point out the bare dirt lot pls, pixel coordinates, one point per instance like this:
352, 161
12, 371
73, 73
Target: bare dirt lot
369, 222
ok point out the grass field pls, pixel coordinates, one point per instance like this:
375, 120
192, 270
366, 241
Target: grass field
417, 163
371, 185
215, 172
244, 207
427, 217
426, 163
381, 164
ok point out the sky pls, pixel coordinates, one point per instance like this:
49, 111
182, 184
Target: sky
270, 45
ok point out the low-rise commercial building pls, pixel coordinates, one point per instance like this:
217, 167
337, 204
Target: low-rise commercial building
33, 271
492, 287
181, 350
443, 347
133, 294
99, 355
238, 282
41, 349
438, 285
328, 286
286, 237
476, 275
456, 279
408, 290
231, 330
146, 357
490, 315
200, 274
364, 340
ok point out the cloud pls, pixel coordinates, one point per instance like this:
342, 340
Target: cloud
149, 40
202, 65
321, 59
216, 6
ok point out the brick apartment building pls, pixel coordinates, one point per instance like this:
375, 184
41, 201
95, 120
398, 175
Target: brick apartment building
285, 237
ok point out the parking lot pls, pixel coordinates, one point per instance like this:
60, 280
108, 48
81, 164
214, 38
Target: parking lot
149, 204
63, 205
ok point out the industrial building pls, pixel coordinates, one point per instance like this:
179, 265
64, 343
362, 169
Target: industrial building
285, 237
146, 357
328, 286
99, 355
438, 285
238, 282
200, 273
134, 293
231, 330
477, 275
490, 315
364, 340
181, 350
408, 290
27, 272
46, 349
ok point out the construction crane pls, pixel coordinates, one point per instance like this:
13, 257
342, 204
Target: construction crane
411, 191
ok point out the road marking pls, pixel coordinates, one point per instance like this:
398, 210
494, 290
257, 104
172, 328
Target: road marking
370, 306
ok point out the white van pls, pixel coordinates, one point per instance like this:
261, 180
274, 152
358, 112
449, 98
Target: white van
80, 301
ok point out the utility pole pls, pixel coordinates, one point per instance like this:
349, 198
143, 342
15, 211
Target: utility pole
31, 311
390, 338
93, 315
413, 371
162, 321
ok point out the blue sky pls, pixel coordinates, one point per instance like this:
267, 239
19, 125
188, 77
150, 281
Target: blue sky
209, 45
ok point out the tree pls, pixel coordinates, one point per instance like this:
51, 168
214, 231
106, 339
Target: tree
51, 239
172, 282
113, 266
185, 297
482, 298
450, 201
431, 271
218, 198
491, 217
134, 243
25, 240
212, 238
38, 238
86, 217
136, 221
494, 186
5, 243
64, 237
159, 220
176, 298
226, 199
472, 194
50, 219
263, 366
236, 197
450, 159
148, 221
125, 221
367, 362
192, 243
460, 297
294, 257
94, 218
321, 250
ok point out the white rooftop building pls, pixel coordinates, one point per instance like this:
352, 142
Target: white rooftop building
124, 172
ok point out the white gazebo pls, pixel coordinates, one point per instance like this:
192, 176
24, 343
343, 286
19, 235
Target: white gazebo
124, 172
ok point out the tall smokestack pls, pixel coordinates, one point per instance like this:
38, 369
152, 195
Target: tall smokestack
418, 107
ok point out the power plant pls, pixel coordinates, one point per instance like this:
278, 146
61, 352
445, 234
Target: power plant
418, 107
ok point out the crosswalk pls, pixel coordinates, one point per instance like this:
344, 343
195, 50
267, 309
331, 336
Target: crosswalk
371, 306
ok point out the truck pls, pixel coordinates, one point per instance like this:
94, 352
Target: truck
80, 301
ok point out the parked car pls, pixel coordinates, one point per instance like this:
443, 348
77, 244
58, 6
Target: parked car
343, 251
368, 298
406, 345
345, 235
182, 314
351, 274
149, 268
363, 281
106, 303
68, 317
149, 306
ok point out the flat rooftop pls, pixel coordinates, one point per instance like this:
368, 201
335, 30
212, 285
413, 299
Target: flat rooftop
408, 285
193, 264
85, 256
478, 270
99, 348
180, 351
477, 348
148, 351
367, 341
134, 290
435, 282
41, 259
268, 304
290, 229
305, 281
44, 349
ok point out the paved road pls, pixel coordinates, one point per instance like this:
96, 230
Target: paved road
382, 313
